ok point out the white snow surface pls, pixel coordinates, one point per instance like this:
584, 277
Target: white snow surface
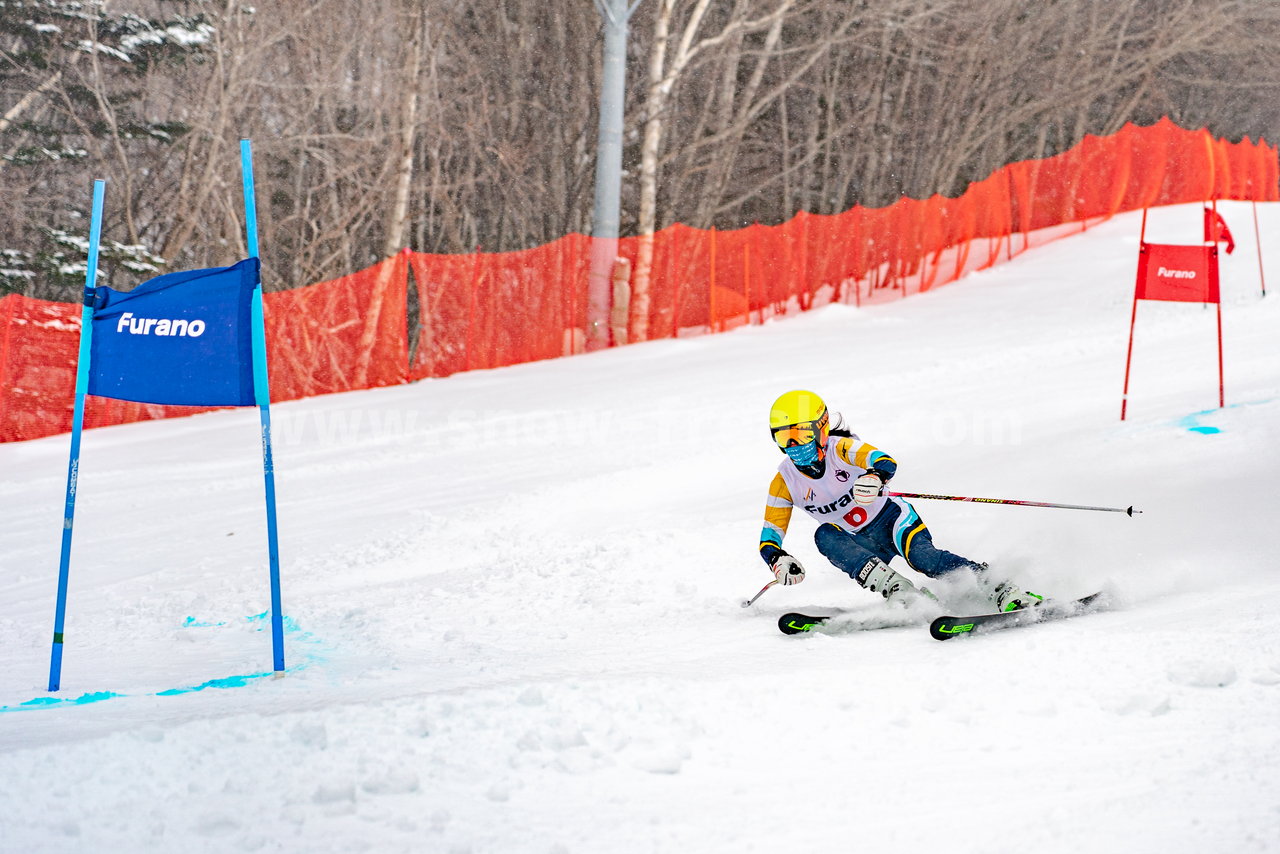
513, 597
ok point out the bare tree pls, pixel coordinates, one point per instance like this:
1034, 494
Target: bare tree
457, 124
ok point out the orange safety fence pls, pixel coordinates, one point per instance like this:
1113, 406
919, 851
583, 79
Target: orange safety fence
485, 310
340, 335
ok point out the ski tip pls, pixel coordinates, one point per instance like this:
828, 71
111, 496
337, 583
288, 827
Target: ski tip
794, 624
946, 628
1093, 602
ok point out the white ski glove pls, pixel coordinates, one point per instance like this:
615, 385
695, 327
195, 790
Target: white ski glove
787, 570
866, 489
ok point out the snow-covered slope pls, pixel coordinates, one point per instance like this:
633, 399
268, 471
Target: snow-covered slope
513, 597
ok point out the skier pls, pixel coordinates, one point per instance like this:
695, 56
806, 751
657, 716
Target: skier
839, 480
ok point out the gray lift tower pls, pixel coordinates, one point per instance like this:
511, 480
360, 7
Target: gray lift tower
608, 202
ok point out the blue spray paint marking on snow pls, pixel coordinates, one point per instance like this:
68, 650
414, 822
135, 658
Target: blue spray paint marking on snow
193, 623
261, 623
47, 702
1192, 423
227, 682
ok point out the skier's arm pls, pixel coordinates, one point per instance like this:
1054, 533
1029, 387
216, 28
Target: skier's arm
855, 452
777, 516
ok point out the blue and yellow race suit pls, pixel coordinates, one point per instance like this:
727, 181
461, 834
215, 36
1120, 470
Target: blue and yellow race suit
849, 533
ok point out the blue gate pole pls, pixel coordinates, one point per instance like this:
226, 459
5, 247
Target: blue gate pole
77, 423
262, 396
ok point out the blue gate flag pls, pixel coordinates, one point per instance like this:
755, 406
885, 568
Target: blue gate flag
183, 338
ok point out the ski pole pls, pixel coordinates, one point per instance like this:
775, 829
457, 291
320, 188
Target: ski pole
1127, 510
747, 603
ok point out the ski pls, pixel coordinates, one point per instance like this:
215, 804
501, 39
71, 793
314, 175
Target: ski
795, 623
945, 628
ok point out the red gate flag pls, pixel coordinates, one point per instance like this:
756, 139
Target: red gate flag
1177, 273
1216, 231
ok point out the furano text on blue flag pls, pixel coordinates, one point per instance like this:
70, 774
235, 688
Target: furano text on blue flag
183, 338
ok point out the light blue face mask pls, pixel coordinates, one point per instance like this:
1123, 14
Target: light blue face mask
804, 455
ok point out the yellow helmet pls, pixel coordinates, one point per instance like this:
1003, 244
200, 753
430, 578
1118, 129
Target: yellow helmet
800, 426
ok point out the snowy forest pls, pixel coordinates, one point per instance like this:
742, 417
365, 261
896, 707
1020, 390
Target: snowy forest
450, 126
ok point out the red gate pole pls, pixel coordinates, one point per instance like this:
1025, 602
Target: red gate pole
1128, 359
1217, 293
1222, 400
1133, 318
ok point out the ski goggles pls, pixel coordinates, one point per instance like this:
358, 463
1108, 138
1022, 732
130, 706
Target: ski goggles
804, 433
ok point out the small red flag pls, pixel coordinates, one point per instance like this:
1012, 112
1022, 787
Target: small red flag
1216, 231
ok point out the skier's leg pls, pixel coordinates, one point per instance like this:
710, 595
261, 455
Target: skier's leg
856, 558
924, 557
847, 551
